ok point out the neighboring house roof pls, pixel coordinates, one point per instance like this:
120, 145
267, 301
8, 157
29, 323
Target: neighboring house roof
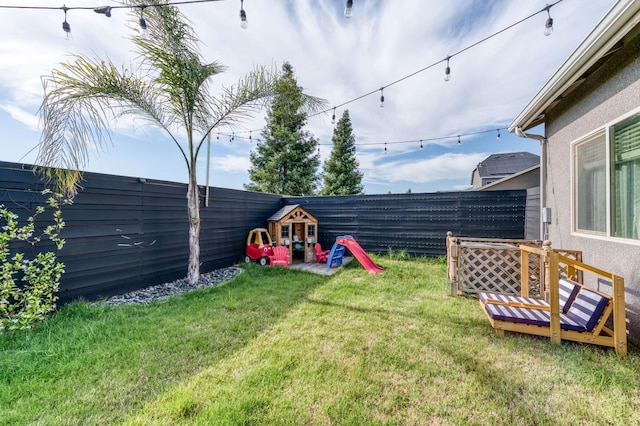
498, 166
604, 40
524, 179
283, 212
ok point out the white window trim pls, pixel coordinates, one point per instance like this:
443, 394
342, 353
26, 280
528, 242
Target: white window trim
572, 146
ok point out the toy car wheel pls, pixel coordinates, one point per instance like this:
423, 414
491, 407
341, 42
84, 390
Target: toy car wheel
262, 261
247, 259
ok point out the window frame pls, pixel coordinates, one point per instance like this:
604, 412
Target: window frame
605, 129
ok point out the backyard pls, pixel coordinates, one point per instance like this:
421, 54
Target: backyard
282, 346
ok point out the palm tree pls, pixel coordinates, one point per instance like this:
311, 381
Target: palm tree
169, 90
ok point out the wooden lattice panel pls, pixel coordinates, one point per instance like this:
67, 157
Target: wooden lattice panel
490, 269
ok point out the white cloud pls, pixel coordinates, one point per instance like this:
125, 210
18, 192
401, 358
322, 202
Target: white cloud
336, 59
444, 167
22, 116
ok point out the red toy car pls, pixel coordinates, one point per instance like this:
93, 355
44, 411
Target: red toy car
259, 246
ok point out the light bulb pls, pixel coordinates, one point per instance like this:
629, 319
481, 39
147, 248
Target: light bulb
498, 137
447, 71
243, 19
333, 117
65, 25
143, 23
421, 147
548, 27
381, 98
67, 29
348, 12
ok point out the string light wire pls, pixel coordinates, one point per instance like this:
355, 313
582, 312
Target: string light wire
106, 10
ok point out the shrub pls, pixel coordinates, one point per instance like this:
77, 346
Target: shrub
28, 285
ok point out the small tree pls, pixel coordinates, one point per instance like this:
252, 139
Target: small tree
22, 305
341, 175
286, 161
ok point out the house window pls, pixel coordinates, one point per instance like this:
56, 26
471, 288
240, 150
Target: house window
625, 178
591, 185
592, 195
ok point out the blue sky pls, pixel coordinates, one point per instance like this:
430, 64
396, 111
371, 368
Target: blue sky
335, 58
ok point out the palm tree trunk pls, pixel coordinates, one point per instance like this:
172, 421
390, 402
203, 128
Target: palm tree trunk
193, 206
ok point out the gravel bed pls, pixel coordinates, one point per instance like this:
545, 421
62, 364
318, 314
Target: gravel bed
166, 290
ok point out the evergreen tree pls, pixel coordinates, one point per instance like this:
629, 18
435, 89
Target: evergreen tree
341, 175
286, 161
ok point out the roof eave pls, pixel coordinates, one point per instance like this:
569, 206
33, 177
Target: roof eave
615, 25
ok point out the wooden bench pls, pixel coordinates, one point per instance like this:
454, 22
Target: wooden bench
573, 312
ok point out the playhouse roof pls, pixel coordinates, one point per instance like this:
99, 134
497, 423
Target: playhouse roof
283, 212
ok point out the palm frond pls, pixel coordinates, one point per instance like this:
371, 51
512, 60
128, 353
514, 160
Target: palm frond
81, 99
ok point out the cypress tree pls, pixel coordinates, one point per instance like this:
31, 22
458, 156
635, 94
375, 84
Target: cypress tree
341, 175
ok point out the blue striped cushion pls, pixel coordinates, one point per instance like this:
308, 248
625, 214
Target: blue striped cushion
568, 292
537, 317
587, 308
483, 297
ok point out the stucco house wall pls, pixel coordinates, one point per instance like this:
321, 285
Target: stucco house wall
607, 95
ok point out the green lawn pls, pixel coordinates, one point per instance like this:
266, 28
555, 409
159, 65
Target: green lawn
279, 347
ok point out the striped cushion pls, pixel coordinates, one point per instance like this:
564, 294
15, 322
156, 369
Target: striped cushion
483, 297
568, 292
537, 317
588, 308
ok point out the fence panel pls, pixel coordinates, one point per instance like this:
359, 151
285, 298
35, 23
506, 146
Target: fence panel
125, 233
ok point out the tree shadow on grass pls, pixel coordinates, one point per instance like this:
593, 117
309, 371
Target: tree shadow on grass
104, 363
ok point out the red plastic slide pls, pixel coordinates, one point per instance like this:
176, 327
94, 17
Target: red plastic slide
359, 253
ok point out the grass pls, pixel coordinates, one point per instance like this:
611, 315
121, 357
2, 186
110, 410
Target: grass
285, 347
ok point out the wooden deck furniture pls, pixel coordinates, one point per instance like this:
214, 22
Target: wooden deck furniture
590, 317
280, 257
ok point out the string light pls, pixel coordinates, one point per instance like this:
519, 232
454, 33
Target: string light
459, 140
218, 136
441, 60
143, 23
232, 138
333, 117
498, 136
421, 147
381, 97
385, 147
548, 26
348, 6
243, 16
65, 25
250, 135
447, 70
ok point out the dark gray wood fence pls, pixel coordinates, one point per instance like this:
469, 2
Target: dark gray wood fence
125, 233
416, 223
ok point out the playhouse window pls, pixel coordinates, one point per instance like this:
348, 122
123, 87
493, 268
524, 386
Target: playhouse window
311, 231
284, 231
